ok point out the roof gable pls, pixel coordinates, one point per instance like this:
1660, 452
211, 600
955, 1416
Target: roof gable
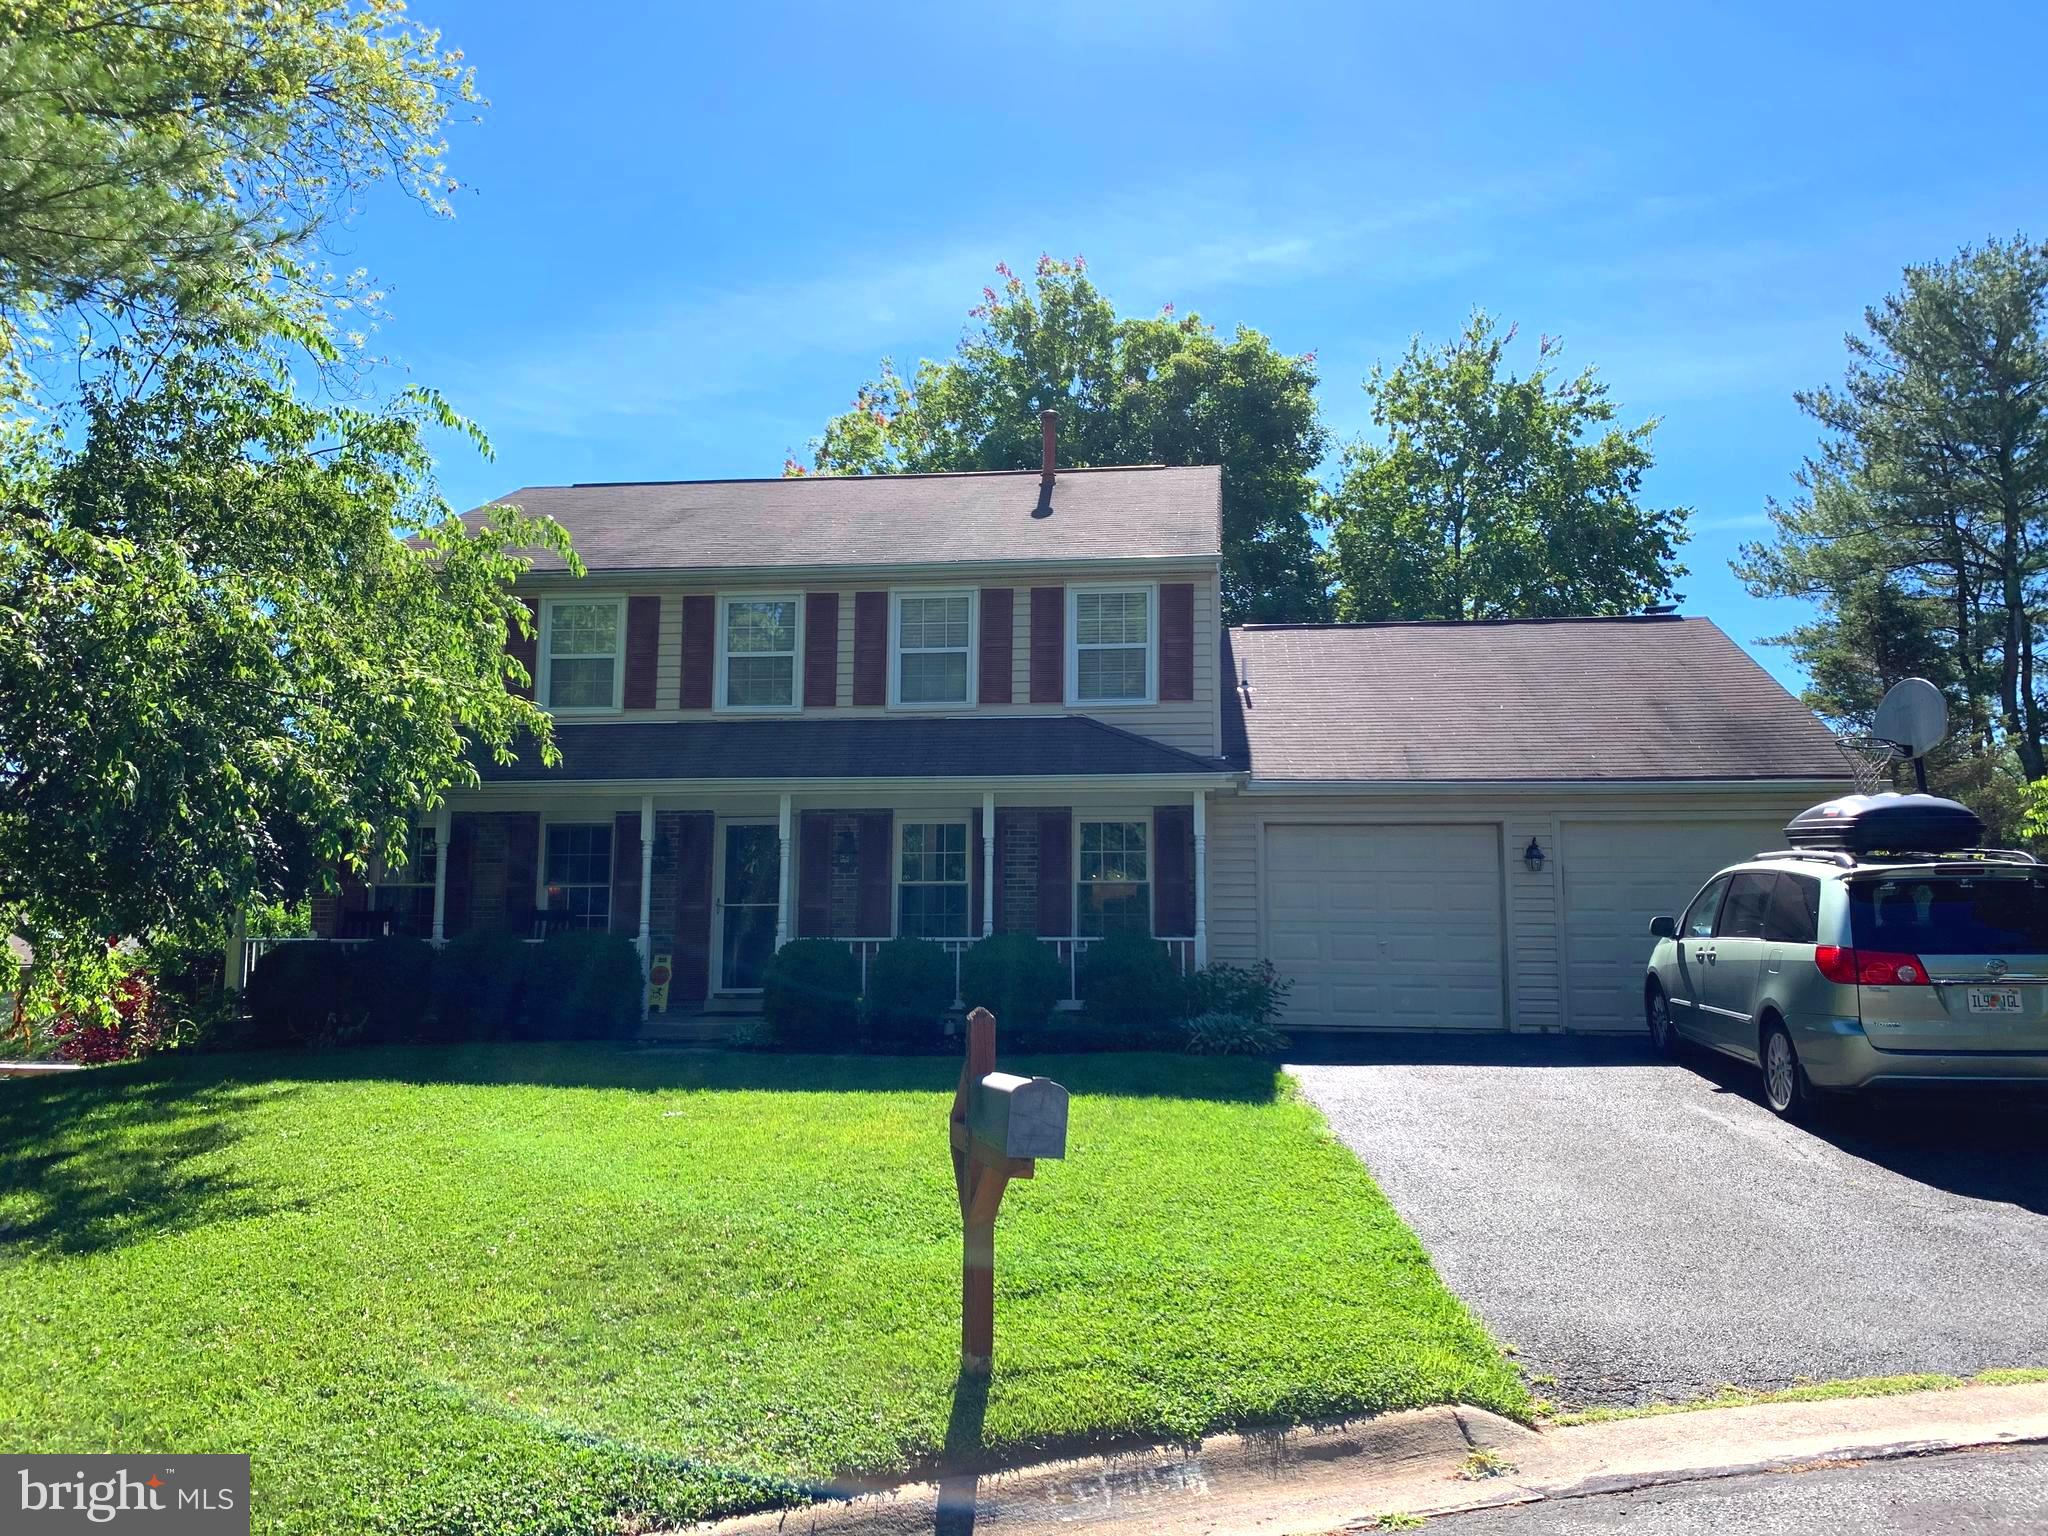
1650, 698
1137, 512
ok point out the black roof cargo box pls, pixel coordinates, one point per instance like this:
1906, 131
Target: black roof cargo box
1889, 823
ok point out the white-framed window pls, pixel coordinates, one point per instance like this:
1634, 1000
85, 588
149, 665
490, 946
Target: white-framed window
1113, 877
576, 872
759, 642
931, 649
406, 895
932, 872
1113, 644
580, 663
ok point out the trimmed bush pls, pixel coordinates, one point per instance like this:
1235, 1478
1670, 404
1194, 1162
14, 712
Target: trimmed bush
583, 985
299, 994
910, 988
391, 989
1256, 992
1130, 987
1231, 1034
810, 996
1015, 977
479, 988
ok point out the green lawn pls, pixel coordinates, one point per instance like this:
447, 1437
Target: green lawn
575, 1289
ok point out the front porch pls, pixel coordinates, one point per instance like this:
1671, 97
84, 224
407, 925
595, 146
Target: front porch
710, 885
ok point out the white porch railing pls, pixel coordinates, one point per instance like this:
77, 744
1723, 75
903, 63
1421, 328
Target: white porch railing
1069, 947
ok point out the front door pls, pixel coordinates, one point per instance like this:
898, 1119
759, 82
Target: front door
749, 889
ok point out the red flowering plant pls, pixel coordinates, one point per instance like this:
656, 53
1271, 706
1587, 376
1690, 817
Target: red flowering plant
126, 1021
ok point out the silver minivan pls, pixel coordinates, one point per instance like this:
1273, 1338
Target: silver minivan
1832, 973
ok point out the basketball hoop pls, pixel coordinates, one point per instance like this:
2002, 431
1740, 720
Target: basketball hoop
1873, 762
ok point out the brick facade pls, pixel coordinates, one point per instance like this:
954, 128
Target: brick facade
1017, 868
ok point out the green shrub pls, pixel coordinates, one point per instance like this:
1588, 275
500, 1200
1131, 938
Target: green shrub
583, 985
298, 994
1131, 989
390, 989
910, 988
479, 988
1231, 1034
1256, 992
810, 996
1015, 977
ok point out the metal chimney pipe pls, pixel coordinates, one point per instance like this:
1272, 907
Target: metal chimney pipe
1048, 425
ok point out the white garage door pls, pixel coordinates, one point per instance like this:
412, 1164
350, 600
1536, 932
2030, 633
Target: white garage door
1386, 927
1617, 876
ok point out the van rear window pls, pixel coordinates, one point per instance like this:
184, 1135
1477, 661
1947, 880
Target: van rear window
1951, 914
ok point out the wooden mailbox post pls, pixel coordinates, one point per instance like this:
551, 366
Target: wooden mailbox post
1001, 1124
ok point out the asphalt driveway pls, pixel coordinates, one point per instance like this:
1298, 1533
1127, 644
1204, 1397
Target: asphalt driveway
1642, 1231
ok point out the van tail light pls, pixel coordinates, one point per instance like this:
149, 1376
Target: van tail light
1869, 967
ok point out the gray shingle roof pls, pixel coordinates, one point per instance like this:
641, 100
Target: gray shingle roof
997, 747
1090, 514
1564, 699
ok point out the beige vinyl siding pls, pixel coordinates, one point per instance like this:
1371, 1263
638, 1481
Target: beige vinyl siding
1192, 725
1537, 996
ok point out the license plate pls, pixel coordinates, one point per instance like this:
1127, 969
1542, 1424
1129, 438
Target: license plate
1994, 999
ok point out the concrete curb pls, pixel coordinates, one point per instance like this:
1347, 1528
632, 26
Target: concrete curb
1301, 1481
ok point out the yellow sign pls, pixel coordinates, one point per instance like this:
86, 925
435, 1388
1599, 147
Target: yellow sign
658, 976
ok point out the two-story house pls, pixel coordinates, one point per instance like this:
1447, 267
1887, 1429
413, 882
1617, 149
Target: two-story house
959, 704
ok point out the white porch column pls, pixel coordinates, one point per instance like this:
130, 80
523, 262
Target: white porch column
1201, 878
988, 862
444, 822
782, 881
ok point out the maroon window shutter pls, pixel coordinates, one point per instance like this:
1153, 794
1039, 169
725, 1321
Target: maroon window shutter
877, 853
814, 875
626, 873
643, 651
998, 640
1048, 645
692, 982
1177, 640
460, 851
524, 649
1173, 871
821, 650
871, 652
700, 618
522, 870
974, 873
1055, 873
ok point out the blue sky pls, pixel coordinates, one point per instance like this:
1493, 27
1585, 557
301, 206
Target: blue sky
689, 232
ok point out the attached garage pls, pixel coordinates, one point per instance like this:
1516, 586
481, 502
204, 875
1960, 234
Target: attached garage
1620, 871
1388, 926
1467, 827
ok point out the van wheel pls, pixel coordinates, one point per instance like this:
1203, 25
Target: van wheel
1663, 1033
1785, 1086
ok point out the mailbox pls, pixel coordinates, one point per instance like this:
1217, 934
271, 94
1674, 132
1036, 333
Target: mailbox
1019, 1116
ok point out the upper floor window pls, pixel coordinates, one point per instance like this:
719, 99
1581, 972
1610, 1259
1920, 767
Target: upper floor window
1110, 659
757, 652
583, 669
934, 648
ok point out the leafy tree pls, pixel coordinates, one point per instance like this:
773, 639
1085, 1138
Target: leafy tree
242, 641
1163, 390
1486, 499
1933, 475
177, 156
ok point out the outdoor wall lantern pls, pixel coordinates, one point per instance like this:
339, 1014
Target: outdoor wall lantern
1533, 857
845, 850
